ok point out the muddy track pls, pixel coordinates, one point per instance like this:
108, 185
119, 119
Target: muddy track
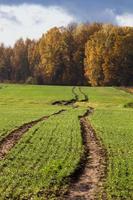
63, 102
87, 182
14, 136
68, 102
74, 100
75, 94
85, 96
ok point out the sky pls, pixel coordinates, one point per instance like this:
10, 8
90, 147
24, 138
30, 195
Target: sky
32, 18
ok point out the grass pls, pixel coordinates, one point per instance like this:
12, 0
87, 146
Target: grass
38, 166
42, 159
114, 126
21, 103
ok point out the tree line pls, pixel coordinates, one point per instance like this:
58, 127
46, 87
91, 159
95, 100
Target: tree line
85, 54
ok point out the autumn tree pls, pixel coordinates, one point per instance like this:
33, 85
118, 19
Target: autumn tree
20, 61
80, 54
109, 56
5, 63
49, 48
34, 61
55, 52
82, 34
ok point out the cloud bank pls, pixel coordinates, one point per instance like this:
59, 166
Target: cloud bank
30, 21
125, 19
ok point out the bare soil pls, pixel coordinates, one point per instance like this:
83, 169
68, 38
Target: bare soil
85, 96
89, 181
69, 102
14, 136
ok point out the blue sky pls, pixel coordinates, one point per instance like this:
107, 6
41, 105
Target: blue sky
17, 20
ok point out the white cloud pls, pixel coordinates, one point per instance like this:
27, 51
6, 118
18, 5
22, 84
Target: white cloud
125, 19
30, 21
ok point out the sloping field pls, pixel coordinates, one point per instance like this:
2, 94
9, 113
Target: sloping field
43, 157
20, 104
113, 123
55, 153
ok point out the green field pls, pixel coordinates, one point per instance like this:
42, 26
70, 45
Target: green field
114, 126
20, 104
39, 165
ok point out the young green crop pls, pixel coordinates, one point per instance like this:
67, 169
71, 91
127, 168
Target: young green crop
20, 104
41, 160
50, 151
114, 126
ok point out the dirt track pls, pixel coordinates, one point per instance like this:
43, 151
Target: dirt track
85, 96
68, 102
88, 184
14, 136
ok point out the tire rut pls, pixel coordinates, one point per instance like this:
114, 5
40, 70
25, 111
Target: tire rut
74, 100
14, 136
88, 181
68, 102
85, 96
